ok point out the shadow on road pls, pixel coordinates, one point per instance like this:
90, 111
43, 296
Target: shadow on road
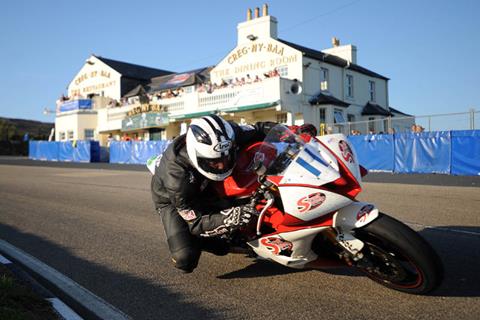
458, 249
137, 297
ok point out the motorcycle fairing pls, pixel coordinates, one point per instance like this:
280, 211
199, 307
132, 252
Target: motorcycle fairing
301, 244
313, 165
307, 203
341, 147
355, 215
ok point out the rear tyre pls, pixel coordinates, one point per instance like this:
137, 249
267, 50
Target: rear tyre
398, 257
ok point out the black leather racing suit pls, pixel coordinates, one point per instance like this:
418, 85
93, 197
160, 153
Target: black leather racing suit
182, 196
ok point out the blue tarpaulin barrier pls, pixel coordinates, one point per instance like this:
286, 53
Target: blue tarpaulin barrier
427, 152
79, 151
46, 150
32, 150
374, 152
65, 151
135, 152
120, 151
466, 152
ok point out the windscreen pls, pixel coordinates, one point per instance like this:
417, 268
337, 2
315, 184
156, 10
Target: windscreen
287, 145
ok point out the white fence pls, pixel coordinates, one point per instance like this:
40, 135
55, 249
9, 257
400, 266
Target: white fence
436, 122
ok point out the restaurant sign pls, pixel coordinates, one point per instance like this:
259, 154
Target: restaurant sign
145, 108
145, 120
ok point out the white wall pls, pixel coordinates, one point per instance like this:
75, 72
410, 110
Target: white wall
76, 122
96, 77
256, 58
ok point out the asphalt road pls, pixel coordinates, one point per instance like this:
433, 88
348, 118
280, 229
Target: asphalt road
98, 227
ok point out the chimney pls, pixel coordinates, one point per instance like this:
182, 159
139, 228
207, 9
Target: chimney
249, 14
347, 52
265, 10
335, 42
257, 27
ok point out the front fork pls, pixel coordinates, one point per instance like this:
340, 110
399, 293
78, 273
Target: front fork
345, 220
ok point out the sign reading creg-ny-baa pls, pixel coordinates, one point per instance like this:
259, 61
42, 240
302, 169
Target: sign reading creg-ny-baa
257, 56
94, 75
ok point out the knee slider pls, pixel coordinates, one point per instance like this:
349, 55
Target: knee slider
186, 259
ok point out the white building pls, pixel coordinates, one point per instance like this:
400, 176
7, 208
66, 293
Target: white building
262, 78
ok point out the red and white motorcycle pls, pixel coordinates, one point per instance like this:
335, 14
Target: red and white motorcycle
305, 193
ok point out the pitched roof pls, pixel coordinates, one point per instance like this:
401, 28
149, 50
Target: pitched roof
321, 98
399, 112
371, 109
134, 71
328, 58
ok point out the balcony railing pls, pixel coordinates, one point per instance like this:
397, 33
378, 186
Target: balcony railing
266, 92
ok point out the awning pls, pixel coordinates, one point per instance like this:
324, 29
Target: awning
145, 120
373, 109
137, 91
178, 80
321, 98
232, 110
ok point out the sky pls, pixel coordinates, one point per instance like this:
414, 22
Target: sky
429, 49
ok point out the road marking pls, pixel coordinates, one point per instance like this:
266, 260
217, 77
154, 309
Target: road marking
4, 260
64, 310
474, 233
82, 296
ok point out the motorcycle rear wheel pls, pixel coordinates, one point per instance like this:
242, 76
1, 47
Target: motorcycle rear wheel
398, 257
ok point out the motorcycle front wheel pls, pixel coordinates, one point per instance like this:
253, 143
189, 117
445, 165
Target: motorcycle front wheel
398, 257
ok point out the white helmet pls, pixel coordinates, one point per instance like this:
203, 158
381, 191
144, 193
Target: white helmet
211, 147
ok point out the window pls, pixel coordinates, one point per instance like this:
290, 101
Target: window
283, 71
350, 117
70, 135
323, 79
338, 116
282, 118
89, 134
188, 89
61, 135
323, 116
372, 90
349, 86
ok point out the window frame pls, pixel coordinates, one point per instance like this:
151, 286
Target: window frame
322, 113
85, 134
282, 71
324, 79
373, 92
350, 87
340, 114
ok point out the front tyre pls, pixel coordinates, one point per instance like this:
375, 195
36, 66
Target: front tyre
398, 257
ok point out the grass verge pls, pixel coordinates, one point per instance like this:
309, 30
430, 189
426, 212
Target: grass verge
19, 302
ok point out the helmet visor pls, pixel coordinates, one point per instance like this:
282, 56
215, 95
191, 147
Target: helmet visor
217, 165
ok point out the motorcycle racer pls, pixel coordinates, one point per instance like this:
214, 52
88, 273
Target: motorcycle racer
193, 219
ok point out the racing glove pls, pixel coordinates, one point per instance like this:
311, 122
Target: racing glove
237, 217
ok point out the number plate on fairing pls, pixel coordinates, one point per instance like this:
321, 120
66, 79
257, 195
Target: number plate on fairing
307, 203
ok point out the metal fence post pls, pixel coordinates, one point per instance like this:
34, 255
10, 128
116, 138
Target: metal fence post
472, 119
